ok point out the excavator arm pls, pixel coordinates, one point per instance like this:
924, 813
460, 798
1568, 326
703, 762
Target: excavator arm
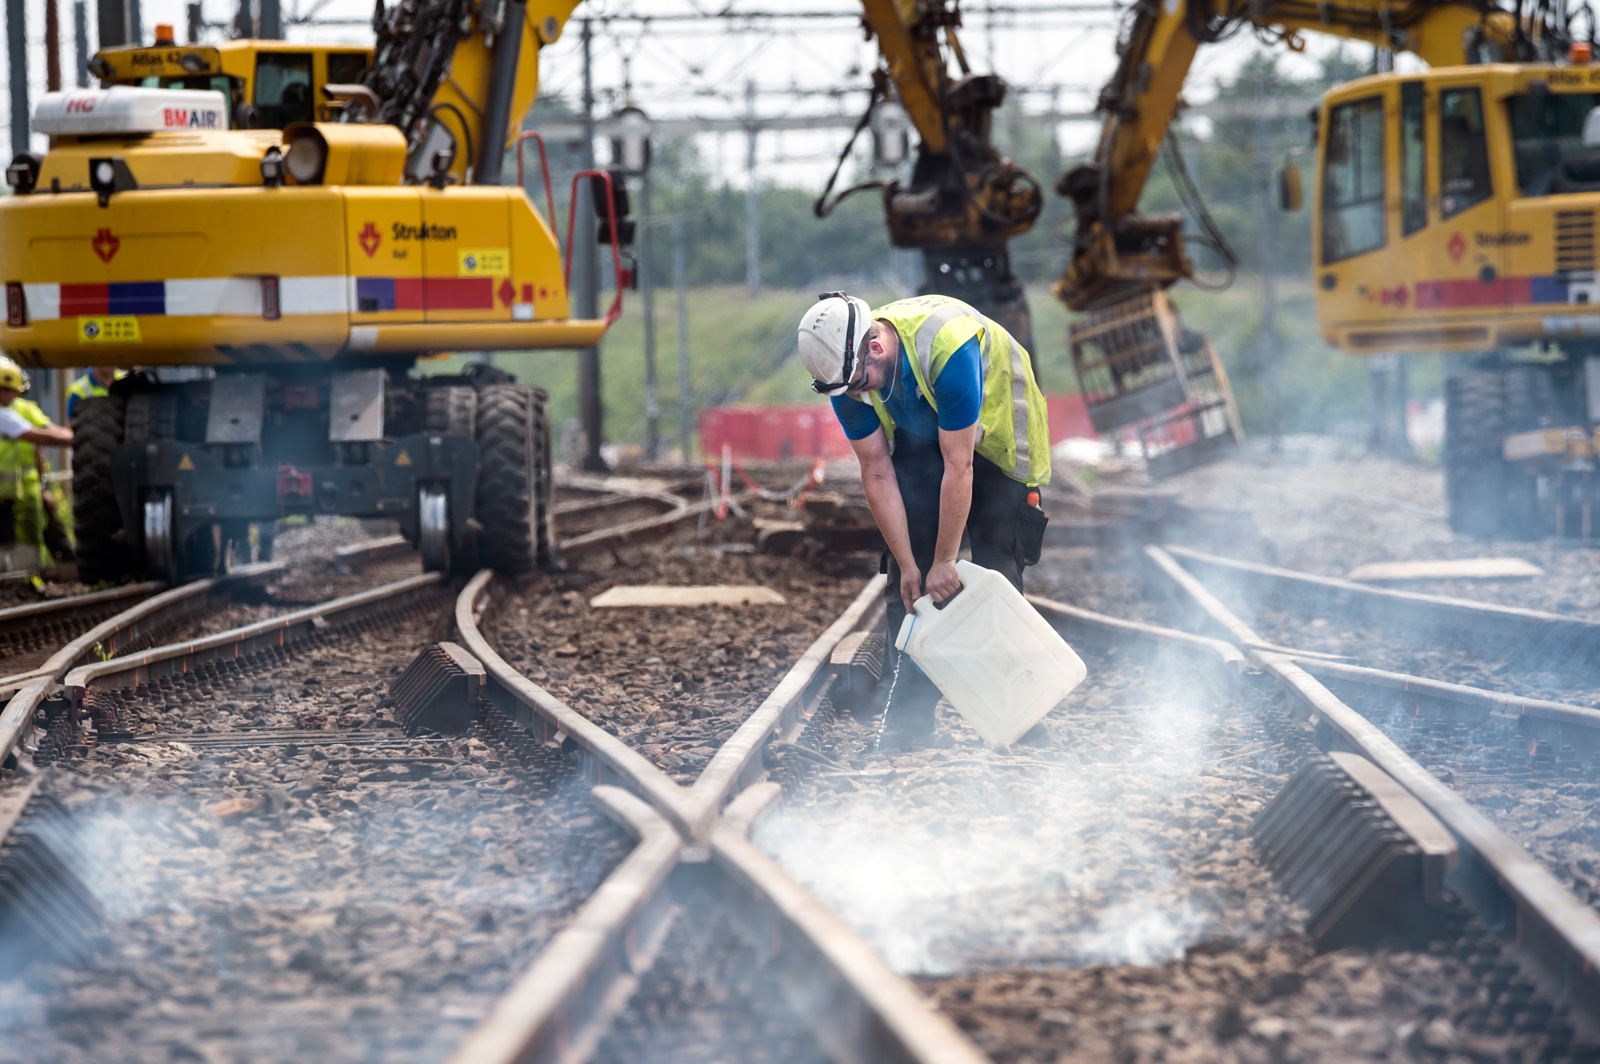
1141, 372
1118, 252
457, 77
964, 200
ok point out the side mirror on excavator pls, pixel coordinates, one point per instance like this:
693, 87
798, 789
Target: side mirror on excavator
1290, 196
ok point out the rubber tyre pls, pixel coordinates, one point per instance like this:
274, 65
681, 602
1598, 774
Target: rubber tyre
97, 522
451, 411
513, 489
150, 416
1475, 473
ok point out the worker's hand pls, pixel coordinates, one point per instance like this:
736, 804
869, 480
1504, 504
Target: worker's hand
943, 581
910, 585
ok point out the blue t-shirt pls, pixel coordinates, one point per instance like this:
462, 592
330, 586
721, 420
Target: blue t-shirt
958, 390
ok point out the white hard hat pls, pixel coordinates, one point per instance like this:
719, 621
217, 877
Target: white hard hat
830, 338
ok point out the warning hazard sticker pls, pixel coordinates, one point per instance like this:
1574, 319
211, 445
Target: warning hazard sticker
484, 262
119, 330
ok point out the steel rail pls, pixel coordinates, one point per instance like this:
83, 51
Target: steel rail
178, 658
562, 1004
690, 810
1495, 703
28, 690
372, 552
737, 762
875, 1014
645, 527
868, 1012
1486, 626
1329, 667
1105, 629
558, 1009
547, 717
36, 615
1556, 933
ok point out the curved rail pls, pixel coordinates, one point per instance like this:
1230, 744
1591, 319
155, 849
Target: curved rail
621, 492
1569, 721
372, 552
37, 615
177, 658
1490, 627
1497, 877
16, 720
560, 1008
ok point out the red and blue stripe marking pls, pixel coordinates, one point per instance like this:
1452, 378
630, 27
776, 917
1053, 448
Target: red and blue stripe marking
1502, 291
120, 299
377, 294
373, 294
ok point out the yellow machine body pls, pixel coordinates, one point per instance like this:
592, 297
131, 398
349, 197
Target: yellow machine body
1437, 227
247, 274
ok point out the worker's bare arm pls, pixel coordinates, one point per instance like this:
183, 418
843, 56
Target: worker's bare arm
955, 501
888, 509
49, 435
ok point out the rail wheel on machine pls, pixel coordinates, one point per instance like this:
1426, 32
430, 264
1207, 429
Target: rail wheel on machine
97, 522
1474, 468
513, 479
433, 529
153, 415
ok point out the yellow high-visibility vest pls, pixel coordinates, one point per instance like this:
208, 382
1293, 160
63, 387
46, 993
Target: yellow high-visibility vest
1013, 432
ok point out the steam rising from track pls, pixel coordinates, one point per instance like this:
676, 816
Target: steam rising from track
958, 866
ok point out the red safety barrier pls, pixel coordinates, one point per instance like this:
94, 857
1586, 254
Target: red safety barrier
1069, 418
809, 430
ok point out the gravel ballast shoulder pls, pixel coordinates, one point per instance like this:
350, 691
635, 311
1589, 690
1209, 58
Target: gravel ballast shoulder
673, 682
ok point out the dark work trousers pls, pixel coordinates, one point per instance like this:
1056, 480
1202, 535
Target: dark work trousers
991, 534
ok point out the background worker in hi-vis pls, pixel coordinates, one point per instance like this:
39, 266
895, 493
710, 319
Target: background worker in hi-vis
23, 520
941, 407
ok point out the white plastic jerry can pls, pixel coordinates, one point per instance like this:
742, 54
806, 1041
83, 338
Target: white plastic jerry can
998, 662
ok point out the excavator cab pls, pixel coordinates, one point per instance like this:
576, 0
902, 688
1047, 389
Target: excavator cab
268, 84
1455, 214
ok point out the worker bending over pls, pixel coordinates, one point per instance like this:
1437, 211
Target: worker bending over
95, 384
24, 518
941, 408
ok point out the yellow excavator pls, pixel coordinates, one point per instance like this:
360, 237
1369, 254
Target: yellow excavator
276, 233
1454, 212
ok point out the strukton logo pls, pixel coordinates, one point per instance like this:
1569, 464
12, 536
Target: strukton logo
369, 239
105, 245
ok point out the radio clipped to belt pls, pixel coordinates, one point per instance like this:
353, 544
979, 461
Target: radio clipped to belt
1031, 520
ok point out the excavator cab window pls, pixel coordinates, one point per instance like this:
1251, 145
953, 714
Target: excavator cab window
344, 68
1463, 152
283, 89
1413, 160
1352, 180
1547, 142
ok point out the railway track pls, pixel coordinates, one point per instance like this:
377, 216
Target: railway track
261, 831
676, 1002
477, 896
1509, 875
